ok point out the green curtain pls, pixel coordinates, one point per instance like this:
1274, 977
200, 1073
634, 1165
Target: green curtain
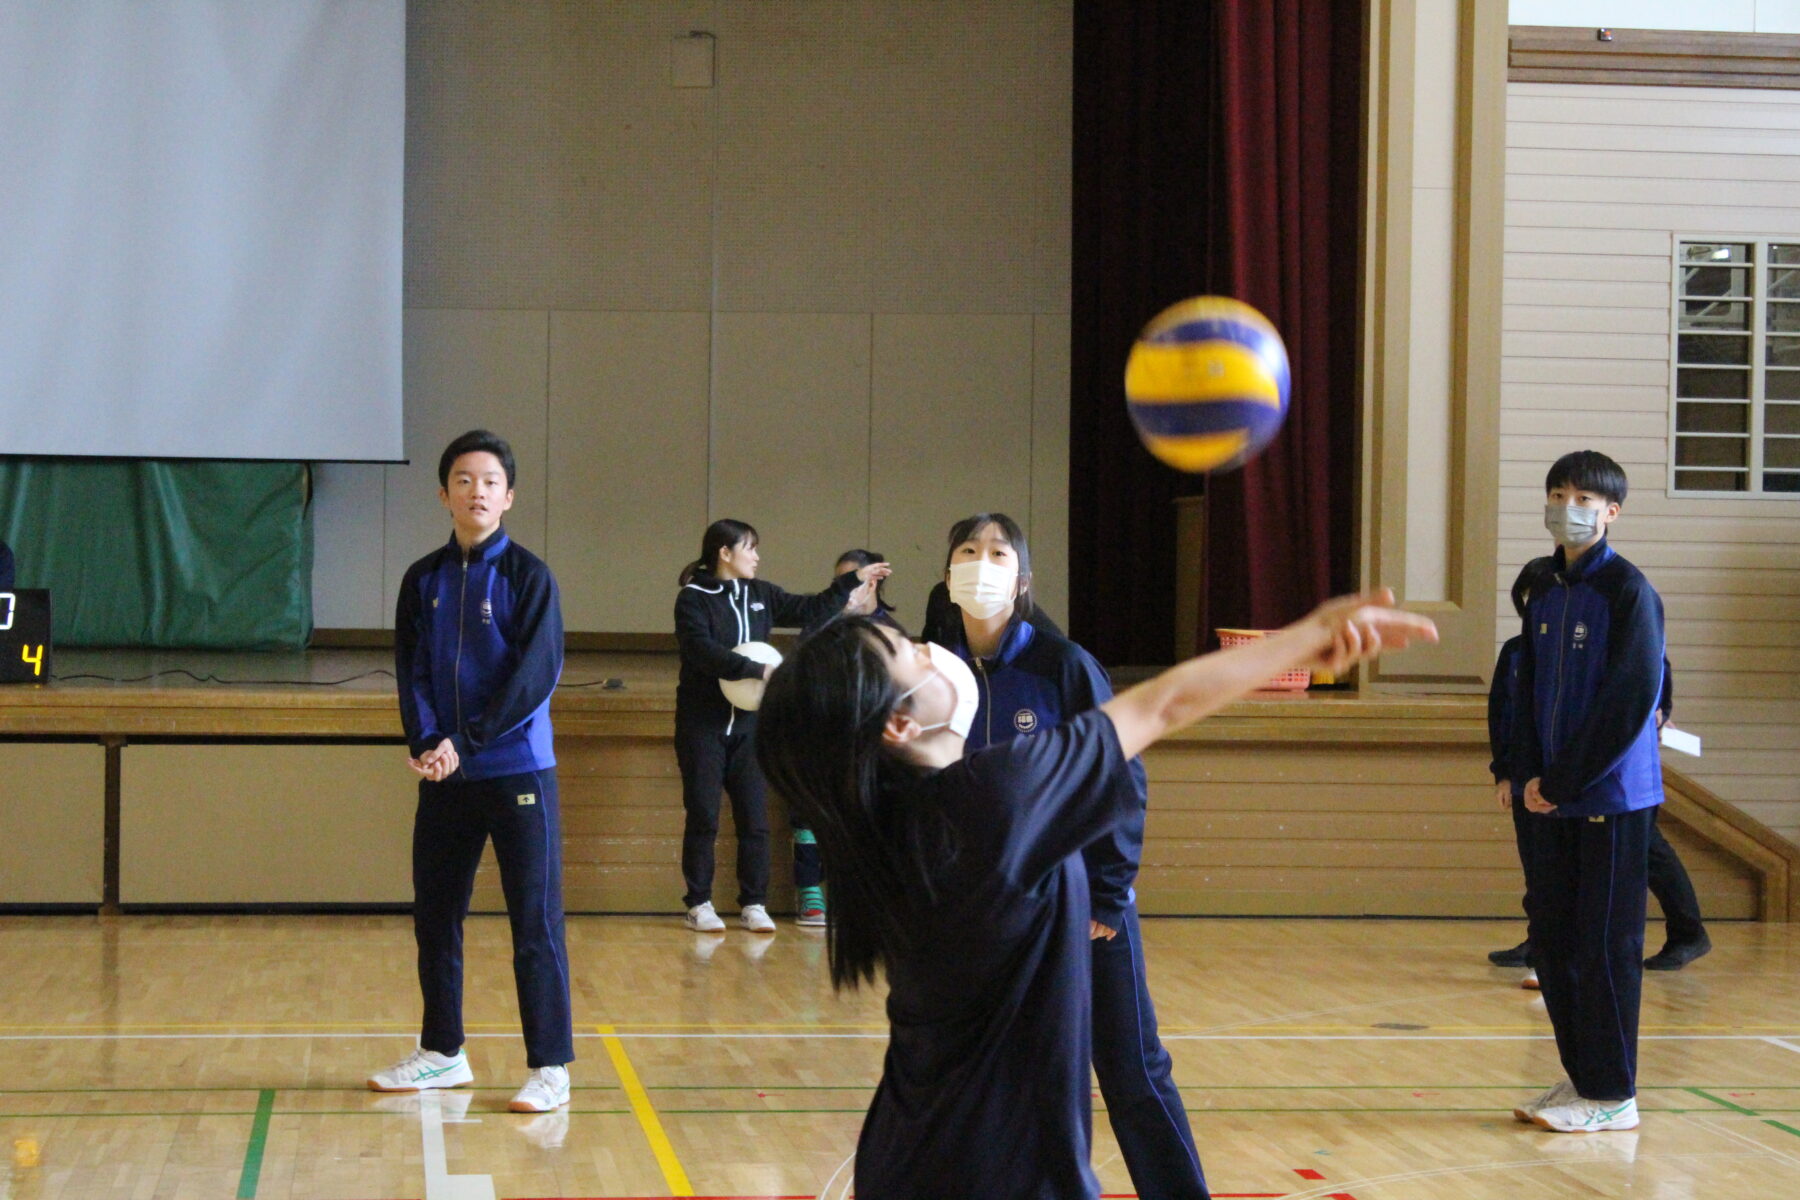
166, 554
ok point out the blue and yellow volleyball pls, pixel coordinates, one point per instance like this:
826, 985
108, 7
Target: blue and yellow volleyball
1207, 384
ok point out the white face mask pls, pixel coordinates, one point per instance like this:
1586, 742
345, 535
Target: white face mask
962, 681
983, 589
1572, 525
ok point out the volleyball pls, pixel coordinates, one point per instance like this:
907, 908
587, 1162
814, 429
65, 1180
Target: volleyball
747, 694
1207, 384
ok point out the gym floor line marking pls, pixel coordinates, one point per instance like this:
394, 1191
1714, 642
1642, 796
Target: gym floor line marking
660, 1146
253, 1153
772, 1089
1386, 1036
440, 1184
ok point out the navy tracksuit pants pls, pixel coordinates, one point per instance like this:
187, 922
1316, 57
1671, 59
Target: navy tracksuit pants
1148, 1118
1668, 879
454, 821
714, 762
1586, 893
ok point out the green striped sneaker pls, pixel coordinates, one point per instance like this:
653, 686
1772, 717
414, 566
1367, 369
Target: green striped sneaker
424, 1069
1588, 1116
812, 907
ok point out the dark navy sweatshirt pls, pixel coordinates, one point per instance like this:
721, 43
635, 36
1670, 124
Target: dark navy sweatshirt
713, 615
478, 648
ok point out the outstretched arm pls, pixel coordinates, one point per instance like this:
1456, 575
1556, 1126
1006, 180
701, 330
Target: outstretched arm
1336, 635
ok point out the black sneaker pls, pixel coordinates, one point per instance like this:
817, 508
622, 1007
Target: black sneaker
1676, 955
1518, 956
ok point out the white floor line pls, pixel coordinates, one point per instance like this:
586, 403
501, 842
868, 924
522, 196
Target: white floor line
1783, 1043
439, 1183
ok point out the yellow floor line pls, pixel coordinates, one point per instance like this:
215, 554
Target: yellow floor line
673, 1175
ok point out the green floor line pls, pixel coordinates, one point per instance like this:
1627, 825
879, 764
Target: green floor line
253, 1153
1784, 1128
1737, 1108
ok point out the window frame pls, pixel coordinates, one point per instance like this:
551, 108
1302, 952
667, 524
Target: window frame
1757, 402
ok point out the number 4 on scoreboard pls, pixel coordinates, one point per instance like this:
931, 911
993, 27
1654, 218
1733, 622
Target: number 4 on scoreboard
36, 661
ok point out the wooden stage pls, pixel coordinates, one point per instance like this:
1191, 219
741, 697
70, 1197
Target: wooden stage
250, 780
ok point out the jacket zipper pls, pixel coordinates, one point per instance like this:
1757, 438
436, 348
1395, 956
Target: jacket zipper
1562, 641
731, 602
987, 700
456, 671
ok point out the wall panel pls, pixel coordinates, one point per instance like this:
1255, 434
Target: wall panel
1600, 179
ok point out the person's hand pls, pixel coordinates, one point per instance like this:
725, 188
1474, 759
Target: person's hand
1534, 798
862, 601
1503, 793
1360, 627
768, 670
874, 572
1660, 719
1100, 933
437, 764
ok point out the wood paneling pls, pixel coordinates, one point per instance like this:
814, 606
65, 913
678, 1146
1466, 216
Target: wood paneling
1660, 57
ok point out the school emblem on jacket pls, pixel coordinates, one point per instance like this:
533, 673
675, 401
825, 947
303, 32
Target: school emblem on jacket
1580, 632
1025, 720
487, 612
757, 606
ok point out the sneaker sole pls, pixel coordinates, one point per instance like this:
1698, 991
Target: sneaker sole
1530, 985
804, 923
429, 1087
522, 1106
1610, 1127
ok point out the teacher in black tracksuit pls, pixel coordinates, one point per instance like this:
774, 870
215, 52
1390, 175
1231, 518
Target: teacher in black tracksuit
722, 605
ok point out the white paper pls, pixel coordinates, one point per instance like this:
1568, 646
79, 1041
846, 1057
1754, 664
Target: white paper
1676, 739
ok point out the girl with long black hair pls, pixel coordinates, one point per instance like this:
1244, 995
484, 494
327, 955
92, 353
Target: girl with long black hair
961, 879
722, 605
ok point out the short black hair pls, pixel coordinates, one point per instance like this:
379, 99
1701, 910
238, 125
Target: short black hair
473, 442
1588, 471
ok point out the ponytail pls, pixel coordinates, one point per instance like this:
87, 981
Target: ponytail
720, 535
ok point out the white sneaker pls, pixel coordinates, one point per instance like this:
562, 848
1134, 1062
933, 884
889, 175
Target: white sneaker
702, 919
1560, 1092
1530, 982
755, 918
1588, 1116
424, 1069
546, 1089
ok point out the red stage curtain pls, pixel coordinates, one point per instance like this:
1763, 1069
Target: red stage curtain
1217, 148
1281, 531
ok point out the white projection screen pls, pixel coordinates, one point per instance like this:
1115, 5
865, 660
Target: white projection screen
200, 228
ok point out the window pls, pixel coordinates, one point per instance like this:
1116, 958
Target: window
1735, 387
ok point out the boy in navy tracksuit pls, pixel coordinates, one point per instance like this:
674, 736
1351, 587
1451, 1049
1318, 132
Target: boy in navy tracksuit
1585, 741
1034, 681
478, 648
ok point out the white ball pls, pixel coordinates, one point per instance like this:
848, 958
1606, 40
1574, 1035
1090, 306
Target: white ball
747, 694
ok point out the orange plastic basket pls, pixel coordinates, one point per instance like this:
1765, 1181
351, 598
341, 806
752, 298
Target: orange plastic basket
1296, 680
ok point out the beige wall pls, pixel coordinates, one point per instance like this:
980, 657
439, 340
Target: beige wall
265, 825
1599, 180
828, 295
51, 823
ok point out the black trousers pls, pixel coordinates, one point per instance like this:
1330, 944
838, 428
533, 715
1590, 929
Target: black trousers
1670, 884
714, 762
454, 821
1142, 1102
1668, 878
1586, 895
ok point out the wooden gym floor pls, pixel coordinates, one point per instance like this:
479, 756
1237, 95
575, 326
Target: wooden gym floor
175, 1057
